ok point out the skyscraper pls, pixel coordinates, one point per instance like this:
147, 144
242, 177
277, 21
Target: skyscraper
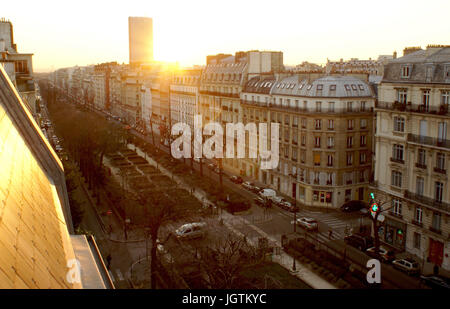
140, 33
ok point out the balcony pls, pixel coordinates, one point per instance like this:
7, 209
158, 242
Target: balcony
416, 223
421, 165
427, 140
440, 170
395, 214
397, 160
427, 201
434, 230
415, 108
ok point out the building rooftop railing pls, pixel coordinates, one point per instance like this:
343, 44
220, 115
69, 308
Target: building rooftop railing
335, 111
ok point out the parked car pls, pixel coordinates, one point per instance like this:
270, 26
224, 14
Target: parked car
237, 179
384, 255
267, 193
191, 230
407, 265
249, 186
59, 148
277, 200
435, 282
309, 224
260, 201
351, 206
289, 207
359, 241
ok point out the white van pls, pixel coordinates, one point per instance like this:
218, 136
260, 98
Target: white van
267, 193
191, 230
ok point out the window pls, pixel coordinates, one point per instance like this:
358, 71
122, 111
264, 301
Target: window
397, 152
440, 161
418, 215
397, 207
426, 99
350, 158
294, 138
354, 87
316, 159
286, 152
330, 160
303, 140
363, 106
406, 71
396, 179
349, 141
318, 124
330, 107
399, 124
363, 123
436, 222
294, 154
317, 142
438, 191
302, 156
349, 106
304, 123
305, 105
421, 157
445, 97
350, 124
417, 237
286, 119
362, 158
330, 124
361, 87
332, 87
347, 87
442, 131
286, 135
318, 106
329, 179
402, 96
419, 185
363, 140
295, 124
330, 142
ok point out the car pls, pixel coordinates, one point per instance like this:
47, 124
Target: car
359, 241
384, 255
309, 224
351, 206
407, 265
277, 200
191, 230
237, 179
248, 185
267, 193
289, 207
260, 201
435, 282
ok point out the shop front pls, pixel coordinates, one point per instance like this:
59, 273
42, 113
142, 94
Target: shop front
393, 233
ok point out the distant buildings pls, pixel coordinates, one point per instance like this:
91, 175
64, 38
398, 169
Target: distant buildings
355, 65
140, 33
19, 66
413, 154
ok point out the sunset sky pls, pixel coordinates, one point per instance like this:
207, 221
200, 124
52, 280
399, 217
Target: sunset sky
63, 33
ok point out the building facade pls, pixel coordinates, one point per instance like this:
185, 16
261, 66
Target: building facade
325, 136
413, 154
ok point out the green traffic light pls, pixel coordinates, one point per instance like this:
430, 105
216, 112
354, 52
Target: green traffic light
372, 195
374, 207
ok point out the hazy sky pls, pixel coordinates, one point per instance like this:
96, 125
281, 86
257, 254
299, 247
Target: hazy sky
68, 33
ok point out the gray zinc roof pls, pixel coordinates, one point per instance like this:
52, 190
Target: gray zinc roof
328, 86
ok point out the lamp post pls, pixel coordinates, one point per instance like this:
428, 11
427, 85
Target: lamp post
295, 203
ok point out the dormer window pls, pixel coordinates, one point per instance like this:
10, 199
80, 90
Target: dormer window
332, 87
309, 87
361, 87
319, 87
406, 71
347, 87
300, 87
354, 87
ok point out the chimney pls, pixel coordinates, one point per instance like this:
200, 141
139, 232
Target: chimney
395, 55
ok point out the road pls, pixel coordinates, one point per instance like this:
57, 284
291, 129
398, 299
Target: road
277, 222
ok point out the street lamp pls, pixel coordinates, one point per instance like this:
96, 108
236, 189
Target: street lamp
295, 203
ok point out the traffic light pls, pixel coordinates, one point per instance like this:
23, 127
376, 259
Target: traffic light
372, 196
374, 208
